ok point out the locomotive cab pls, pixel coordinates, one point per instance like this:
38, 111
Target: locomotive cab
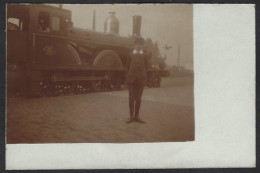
37, 34
36, 39
50, 45
18, 27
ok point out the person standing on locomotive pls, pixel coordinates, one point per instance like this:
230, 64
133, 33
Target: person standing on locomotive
136, 74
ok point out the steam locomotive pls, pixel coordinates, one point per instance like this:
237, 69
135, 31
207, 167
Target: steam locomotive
47, 56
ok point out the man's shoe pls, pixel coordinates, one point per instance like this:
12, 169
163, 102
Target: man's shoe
139, 120
130, 120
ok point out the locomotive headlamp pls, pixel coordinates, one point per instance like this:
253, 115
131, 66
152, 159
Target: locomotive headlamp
141, 51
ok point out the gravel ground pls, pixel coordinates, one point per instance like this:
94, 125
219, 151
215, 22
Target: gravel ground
100, 117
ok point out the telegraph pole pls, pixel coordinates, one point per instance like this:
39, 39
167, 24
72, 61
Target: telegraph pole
179, 58
167, 47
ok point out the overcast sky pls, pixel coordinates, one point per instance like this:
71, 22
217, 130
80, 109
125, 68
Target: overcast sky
165, 23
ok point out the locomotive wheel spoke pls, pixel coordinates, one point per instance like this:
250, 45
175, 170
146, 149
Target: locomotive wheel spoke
77, 89
54, 90
46, 88
98, 86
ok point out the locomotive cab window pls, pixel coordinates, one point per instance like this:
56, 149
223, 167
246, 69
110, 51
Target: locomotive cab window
49, 23
44, 24
13, 24
17, 18
55, 23
16, 24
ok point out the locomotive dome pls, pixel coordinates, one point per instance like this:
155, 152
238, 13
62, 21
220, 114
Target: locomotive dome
112, 24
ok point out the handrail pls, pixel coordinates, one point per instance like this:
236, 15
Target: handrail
46, 35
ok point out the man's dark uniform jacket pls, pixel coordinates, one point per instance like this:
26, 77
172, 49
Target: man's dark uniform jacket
136, 66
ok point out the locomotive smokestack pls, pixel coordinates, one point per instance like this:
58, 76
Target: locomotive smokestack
137, 26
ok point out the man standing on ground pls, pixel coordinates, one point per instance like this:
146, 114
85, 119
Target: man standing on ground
136, 74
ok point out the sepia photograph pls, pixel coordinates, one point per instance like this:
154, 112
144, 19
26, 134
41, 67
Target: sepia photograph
129, 86
99, 73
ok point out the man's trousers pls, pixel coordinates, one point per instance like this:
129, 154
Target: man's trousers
135, 95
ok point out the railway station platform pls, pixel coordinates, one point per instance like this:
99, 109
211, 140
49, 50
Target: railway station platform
101, 117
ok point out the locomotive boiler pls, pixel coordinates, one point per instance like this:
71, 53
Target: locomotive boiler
47, 55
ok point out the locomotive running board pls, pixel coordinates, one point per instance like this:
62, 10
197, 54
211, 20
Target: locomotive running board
73, 68
67, 79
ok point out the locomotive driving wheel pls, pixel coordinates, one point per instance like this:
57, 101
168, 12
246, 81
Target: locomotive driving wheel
47, 88
96, 84
108, 59
155, 80
113, 81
